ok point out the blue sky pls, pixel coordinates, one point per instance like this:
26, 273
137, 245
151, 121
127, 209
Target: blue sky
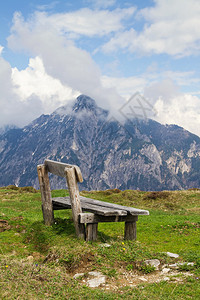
51, 51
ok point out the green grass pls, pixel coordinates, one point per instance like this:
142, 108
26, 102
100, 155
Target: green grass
38, 262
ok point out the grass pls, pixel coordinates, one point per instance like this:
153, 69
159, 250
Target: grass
39, 262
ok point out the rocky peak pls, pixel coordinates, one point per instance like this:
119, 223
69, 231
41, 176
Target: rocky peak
84, 102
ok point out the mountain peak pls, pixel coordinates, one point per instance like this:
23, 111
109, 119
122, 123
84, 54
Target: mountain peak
84, 102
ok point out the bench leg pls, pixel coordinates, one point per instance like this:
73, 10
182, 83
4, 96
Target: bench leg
130, 232
91, 231
47, 207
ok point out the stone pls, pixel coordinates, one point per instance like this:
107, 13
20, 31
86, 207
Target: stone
95, 273
173, 266
165, 270
106, 245
153, 262
173, 255
97, 281
78, 275
142, 278
166, 278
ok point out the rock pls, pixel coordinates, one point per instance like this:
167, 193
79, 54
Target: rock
153, 262
78, 275
173, 255
166, 278
106, 245
165, 270
30, 258
173, 266
185, 263
95, 273
142, 278
98, 279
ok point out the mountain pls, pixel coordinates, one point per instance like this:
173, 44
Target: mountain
141, 155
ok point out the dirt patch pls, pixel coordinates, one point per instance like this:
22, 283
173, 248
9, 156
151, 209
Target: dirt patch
157, 195
4, 225
134, 278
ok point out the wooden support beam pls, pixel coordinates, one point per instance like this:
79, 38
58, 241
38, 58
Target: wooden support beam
75, 201
47, 207
130, 231
93, 218
91, 232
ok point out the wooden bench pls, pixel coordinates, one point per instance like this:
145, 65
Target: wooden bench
95, 211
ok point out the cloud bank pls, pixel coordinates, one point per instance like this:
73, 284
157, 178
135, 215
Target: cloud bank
61, 66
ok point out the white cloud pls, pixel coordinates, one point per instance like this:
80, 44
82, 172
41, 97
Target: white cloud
183, 110
60, 64
12, 110
174, 107
126, 87
62, 60
172, 27
1, 49
85, 21
35, 81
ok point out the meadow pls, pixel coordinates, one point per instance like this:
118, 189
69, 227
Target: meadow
39, 262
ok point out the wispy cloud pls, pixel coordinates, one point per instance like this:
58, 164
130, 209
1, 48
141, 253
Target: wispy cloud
171, 27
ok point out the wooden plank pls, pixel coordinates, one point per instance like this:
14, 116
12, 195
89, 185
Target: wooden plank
58, 168
103, 208
91, 207
92, 218
130, 231
75, 201
47, 207
131, 210
91, 232
60, 203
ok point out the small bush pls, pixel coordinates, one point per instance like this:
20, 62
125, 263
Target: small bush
29, 189
145, 268
12, 187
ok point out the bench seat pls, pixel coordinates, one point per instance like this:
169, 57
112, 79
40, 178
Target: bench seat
98, 207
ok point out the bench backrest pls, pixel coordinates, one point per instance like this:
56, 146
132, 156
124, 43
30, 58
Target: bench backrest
73, 175
58, 168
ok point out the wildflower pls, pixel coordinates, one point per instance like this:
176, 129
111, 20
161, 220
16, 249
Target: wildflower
6, 266
122, 243
124, 249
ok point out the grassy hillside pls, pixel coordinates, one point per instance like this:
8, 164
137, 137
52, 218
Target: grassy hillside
39, 262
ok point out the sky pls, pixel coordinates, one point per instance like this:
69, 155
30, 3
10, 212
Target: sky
110, 50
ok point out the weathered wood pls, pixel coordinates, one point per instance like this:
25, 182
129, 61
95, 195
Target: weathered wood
47, 207
63, 202
94, 218
99, 211
130, 231
60, 203
101, 207
91, 232
130, 210
58, 168
75, 201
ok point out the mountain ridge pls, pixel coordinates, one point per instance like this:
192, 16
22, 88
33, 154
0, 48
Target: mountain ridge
142, 155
